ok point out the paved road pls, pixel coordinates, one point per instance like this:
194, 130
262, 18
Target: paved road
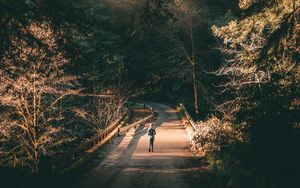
129, 164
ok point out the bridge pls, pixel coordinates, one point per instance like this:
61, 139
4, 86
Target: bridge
126, 161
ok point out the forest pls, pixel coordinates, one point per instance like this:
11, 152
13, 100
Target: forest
67, 69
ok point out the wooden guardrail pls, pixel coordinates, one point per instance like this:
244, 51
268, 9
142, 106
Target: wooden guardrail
139, 104
74, 158
69, 160
135, 124
140, 122
188, 116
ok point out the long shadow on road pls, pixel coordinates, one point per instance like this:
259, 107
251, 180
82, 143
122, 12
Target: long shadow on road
126, 161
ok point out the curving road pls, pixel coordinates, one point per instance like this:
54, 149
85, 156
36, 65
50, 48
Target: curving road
129, 164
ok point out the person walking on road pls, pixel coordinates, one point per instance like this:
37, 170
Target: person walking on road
151, 132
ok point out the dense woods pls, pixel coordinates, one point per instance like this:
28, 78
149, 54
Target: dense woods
68, 67
261, 91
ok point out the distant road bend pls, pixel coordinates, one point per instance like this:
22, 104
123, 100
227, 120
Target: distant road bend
130, 165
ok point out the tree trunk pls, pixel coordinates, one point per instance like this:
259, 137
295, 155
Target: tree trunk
35, 127
195, 89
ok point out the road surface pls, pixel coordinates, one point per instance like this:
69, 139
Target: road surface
130, 165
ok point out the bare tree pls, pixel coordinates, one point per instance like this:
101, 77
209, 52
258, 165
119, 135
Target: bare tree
33, 83
186, 14
109, 109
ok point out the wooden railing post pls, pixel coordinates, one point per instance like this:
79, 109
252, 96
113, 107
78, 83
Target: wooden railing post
92, 144
118, 134
188, 117
81, 150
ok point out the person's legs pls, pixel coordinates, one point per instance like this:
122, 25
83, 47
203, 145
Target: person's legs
150, 146
151, 143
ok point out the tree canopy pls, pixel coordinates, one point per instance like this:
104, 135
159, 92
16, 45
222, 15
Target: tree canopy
234, 64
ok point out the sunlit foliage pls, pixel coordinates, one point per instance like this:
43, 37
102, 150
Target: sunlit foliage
262, 60
260, 90
32, 85
55, 64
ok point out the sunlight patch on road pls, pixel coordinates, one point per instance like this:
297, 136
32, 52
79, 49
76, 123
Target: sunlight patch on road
170, 110
171, 170
161, 155
116, 154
